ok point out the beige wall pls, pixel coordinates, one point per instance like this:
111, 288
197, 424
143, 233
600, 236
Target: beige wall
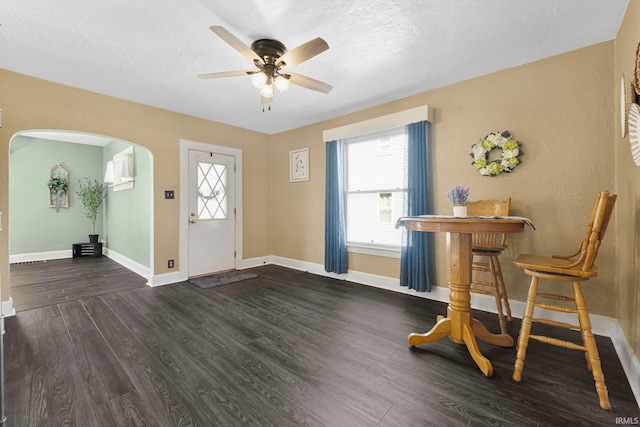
29, 103
628, 189
560, 109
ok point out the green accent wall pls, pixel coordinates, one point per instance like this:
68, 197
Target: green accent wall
124, 221
128, 220
34, 226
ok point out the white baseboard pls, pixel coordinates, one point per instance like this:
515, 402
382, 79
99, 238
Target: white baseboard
128, 263
382, 282
179, 276
40, 256
167, 278
255, 262
601, 325
7, 308
629, 361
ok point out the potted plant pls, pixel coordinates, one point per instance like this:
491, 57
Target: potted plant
91, 193
57, 186
458, 196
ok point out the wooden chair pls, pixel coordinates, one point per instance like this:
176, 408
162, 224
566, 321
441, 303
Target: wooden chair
486, 248
575, 268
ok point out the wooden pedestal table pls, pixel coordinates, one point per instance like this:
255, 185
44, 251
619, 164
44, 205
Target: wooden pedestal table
459, 324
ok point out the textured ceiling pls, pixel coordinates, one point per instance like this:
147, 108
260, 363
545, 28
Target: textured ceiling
150, 51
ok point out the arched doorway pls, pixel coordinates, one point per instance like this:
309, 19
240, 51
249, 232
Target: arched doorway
38, 232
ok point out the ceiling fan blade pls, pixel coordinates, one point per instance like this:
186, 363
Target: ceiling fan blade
309, 83
235, 42
303, 52
225, 74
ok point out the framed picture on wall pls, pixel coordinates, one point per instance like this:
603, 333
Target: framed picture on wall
299, 165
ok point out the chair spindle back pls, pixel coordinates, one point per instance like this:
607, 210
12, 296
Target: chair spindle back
598, 223
489, 208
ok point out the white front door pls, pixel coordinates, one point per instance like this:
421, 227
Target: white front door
212, 222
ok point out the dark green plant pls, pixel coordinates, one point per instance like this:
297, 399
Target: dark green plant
57, 186
92, 193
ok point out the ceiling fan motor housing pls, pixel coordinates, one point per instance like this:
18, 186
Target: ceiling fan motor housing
269, 50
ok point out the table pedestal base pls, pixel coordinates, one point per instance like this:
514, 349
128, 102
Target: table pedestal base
459, 325
469, 333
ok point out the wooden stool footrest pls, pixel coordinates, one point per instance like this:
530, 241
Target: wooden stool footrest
480, 291
556, 323
557, 308
558, 343
556, 297
482, 282
480, 266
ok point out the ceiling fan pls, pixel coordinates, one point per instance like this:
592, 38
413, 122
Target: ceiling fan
271, 58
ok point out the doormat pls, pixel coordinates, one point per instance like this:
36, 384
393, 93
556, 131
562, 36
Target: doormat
218, 279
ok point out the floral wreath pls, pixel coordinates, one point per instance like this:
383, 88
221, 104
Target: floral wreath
508, 159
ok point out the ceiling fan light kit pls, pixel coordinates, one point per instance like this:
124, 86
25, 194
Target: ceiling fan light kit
282, 83
270, 58
259, 80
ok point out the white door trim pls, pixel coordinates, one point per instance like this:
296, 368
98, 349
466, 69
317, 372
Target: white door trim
185, 146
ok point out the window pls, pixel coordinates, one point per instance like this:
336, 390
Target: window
212, 191
385, 146
375, 188
385, 204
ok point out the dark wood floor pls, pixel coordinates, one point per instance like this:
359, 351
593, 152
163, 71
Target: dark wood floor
46, 283
284, 349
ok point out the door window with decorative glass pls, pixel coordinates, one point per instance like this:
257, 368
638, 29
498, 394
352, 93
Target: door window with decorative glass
212, 191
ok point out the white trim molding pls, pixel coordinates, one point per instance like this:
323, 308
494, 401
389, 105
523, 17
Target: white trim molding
167, 279
128, 263
181, 276
7, 308
255, 262
381, 282
375, 251
630, 362
601, 325
401, 118
40, 256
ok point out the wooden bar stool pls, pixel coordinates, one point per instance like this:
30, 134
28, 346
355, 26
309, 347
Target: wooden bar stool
487, 247
575, 268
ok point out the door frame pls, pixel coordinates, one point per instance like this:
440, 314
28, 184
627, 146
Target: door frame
183, 195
